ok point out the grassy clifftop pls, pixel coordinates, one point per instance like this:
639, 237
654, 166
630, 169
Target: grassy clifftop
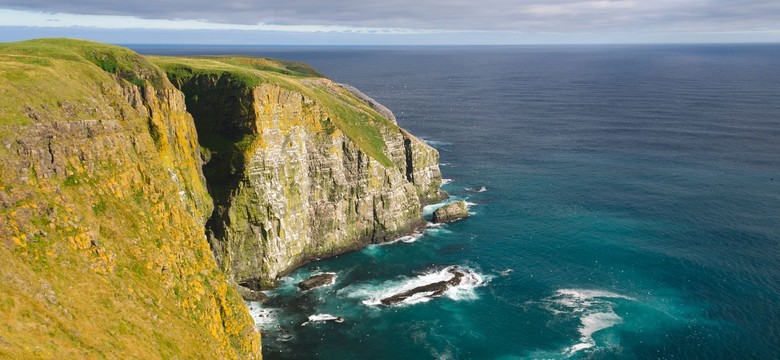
102, 206
355, 118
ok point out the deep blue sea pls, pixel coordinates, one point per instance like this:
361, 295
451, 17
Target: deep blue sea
626, 205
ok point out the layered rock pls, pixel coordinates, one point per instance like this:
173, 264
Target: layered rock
314, 171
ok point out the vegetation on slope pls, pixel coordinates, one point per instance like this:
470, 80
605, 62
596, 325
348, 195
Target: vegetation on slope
101, 213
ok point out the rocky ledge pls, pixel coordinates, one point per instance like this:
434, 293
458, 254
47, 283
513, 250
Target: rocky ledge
317, 280
430, 290
453, 211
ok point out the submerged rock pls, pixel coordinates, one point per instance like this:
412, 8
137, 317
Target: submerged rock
453, 211
430, 290
317, 280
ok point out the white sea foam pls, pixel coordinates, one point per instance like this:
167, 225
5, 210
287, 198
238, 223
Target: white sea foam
372, 294
323, 318
435, 143
409, 238
481, 189
593, 308
445, 181
264, 318
429, 209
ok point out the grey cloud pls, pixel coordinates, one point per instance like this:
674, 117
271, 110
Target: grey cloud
501, 15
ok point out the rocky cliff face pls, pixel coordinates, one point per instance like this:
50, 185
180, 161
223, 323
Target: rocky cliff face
102, 212
125, 184
303, 183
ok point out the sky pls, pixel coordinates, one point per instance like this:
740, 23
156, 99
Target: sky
397, 22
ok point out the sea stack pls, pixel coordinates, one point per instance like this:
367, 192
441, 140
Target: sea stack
453, 211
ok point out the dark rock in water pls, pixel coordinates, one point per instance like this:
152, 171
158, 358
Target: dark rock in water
251, 295
435, 289
453, 211
316, 281
314, 268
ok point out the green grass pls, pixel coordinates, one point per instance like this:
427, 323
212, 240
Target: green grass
71, 73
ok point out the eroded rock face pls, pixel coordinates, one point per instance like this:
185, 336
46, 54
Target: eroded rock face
317, 280
302, 188
453, 211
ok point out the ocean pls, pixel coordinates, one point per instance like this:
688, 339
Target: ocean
625, 200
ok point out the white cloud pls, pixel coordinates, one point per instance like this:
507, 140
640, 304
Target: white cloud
19, 18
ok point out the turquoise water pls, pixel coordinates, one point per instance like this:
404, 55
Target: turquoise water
633, 192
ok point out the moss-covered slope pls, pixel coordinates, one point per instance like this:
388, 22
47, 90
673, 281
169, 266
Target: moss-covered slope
102, 211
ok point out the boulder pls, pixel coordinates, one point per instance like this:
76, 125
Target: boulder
317, 280
453, 211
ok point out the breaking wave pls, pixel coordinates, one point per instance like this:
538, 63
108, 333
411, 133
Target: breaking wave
372, 294
593, 308
481, 189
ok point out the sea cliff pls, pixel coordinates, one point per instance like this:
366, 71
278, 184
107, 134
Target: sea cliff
136, 192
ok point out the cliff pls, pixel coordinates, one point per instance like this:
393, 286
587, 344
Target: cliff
299, 167
134, 190
102, 212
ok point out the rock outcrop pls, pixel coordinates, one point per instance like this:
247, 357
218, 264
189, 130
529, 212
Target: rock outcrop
429, 290
317, 280
453, 211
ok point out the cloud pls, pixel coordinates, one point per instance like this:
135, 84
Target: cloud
19, 18
465, 15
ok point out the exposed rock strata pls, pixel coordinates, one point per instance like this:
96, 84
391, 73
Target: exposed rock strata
301, 187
